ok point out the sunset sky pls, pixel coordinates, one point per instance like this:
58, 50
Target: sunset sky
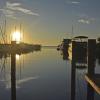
49, 21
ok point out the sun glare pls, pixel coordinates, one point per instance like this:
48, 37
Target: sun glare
17, 56
16, 36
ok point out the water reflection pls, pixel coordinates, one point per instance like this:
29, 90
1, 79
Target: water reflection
14, 83
52, 84
90, 92
10, 81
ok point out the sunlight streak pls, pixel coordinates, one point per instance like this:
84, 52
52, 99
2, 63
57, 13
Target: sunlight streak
16, 36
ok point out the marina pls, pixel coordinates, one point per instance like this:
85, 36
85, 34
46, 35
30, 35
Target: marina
49, 50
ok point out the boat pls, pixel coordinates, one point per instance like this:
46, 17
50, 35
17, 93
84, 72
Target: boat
64, 45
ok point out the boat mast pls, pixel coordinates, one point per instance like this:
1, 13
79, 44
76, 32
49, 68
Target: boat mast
20, 31
2, 34
15, 32
23, 37
72, 31
5, 35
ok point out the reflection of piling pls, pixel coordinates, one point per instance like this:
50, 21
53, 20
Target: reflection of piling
91, 56
73, 73
13, 76
65, 54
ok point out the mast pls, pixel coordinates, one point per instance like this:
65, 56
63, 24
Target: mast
72, 31
15, 32
5, 35
20, 31
23, 35
2, 34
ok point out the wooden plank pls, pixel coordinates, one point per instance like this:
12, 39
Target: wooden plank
94, 81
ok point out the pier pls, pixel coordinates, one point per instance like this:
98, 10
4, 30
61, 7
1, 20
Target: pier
86, 51
91, 77
84, 54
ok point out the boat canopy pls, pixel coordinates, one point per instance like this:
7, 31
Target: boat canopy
80, 38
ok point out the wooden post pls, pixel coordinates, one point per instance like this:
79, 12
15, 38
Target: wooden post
73, 73
13, 76
91, 56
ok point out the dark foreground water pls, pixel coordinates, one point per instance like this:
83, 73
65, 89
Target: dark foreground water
44, 75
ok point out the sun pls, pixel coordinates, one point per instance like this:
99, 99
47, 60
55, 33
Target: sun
17, 57
16, 36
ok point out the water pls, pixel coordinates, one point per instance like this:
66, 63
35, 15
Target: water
44, 75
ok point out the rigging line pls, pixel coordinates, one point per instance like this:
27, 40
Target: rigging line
5, 35
20, 31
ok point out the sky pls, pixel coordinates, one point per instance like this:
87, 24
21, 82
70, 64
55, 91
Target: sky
47, 22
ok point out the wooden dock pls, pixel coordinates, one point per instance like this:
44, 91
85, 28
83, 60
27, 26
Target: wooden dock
94, 81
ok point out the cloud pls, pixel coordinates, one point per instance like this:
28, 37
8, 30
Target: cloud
73, 2
84, 21
12, 4
11, 16
17, 7
11, 8
8, 13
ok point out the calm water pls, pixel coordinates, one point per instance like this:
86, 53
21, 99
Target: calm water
44, 75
